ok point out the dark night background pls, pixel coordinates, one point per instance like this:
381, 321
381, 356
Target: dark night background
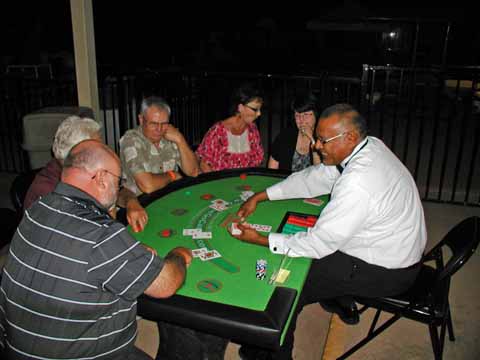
243, 37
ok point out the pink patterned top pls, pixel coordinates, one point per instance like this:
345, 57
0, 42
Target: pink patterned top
214, 149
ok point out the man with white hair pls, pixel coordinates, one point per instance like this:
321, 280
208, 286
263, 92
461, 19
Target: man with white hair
70, 132
152, 153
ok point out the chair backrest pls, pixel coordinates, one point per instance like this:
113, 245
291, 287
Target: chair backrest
462, 240
19, 188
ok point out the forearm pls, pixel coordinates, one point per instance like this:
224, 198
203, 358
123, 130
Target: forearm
170, 278
260, 196
125, 196
148, 182
258, 240
188, 159
311, 182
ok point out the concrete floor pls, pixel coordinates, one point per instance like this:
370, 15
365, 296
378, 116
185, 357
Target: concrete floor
321, 336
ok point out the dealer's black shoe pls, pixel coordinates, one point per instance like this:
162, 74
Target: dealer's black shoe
347, 311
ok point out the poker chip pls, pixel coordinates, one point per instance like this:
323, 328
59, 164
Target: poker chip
261, 269
166, 233
243, 176
206, 196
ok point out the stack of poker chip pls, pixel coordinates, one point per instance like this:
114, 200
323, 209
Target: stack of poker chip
261, 269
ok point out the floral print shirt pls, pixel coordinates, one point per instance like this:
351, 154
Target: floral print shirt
214, 149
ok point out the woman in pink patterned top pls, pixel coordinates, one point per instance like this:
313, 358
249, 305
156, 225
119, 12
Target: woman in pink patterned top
234, 142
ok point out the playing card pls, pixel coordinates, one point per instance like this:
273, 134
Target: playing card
197, 252
202, 235
262, 228
218, 207
190, 232
245, 195
209, 255
220, 202
234, 229
313, 201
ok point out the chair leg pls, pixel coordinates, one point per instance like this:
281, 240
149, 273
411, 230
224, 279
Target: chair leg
451, 335
437, 349
371, 334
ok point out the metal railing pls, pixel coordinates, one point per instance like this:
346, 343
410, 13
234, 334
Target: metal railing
428, 117
431, 119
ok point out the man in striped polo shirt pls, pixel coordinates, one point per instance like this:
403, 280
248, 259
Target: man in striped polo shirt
70, 285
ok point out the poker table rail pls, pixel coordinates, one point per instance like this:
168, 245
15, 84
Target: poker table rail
240, 325
146, 199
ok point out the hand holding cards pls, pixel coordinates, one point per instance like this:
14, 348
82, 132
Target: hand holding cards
234, 230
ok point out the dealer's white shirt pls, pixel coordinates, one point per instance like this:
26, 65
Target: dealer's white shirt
374, 213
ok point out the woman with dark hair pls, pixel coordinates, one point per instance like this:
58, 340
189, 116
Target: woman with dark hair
234, 142
292, 148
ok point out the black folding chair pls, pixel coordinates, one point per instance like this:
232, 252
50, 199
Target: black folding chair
427, 300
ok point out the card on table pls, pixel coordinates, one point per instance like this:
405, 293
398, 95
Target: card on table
313, 201
190, 232
197, 252
220, 202
202, 235
218, 207
209, 255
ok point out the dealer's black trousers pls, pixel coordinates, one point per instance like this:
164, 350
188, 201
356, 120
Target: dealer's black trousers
340, 275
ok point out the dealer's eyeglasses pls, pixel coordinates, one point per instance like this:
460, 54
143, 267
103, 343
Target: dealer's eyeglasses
326, 141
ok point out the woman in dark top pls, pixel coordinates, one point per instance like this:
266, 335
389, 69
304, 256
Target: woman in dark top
292, 148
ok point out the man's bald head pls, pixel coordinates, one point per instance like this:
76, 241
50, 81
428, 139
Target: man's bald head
95, 169
89, 155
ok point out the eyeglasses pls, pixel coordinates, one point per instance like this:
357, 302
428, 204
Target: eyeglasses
111, 173
303, 114
154, 125
326, 141
256, 110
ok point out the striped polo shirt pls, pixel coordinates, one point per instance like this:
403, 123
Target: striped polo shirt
71, 281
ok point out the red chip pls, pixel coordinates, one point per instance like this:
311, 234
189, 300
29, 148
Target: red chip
166, 233
206, 196
243, 176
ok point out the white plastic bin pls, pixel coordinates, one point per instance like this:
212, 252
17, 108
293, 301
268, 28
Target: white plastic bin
39, 129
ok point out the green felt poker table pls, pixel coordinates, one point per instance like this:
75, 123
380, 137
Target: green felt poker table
223, 296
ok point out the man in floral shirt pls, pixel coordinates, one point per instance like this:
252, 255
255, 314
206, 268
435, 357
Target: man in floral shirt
153, 152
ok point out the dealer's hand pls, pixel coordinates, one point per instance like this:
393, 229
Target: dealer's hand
250, 235
249, 206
